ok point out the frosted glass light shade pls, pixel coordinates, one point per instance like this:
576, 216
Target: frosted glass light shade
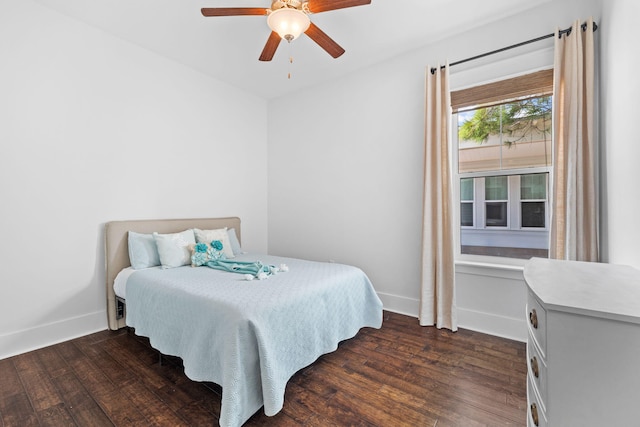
288, 23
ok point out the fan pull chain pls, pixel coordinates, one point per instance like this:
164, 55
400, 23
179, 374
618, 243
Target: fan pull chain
290, 62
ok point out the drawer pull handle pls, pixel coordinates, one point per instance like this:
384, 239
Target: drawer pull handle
534, 366
534, 413
533, 318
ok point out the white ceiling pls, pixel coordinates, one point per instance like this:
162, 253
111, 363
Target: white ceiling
228, 48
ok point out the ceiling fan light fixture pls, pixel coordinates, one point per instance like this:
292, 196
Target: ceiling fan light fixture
289, 23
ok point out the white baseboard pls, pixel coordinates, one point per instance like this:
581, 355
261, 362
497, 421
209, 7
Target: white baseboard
400, 305
488, 323
42, 336
52, 333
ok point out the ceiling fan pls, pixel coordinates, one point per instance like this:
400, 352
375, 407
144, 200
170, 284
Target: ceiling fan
290, 18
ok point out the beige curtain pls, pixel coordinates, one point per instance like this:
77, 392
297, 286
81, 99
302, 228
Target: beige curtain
438, 302
574, 210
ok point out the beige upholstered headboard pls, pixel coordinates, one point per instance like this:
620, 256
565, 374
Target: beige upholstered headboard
117, 250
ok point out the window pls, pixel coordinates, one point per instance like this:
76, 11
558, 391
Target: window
533, 200
466, 202
496, 189
503, 156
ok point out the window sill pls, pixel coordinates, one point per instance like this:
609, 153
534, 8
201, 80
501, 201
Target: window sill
490, 269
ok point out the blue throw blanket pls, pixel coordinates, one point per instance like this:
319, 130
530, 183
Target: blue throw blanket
254, 268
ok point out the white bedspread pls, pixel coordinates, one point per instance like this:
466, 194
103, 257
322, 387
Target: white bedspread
250, 336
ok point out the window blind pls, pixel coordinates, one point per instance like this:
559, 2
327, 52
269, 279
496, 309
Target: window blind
534, 84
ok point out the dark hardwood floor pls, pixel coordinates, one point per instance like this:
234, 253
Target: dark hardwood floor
399, 375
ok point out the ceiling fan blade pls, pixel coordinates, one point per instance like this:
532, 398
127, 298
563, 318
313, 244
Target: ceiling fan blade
270, 48
317, 6
232, 11
324, 41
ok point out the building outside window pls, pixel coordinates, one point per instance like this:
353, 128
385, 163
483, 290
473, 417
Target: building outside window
503, 156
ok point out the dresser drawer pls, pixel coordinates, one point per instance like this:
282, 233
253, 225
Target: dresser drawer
537, 323
537, 370
536, 414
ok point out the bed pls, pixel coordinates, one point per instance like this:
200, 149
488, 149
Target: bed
249, 336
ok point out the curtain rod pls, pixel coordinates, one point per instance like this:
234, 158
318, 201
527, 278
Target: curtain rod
537, 39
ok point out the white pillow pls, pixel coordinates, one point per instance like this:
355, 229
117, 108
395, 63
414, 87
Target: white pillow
173, 249
143, 252
235, 243
208, 236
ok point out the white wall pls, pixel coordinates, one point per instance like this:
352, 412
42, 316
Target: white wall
345, 168
94, 129
620, 65
338, 173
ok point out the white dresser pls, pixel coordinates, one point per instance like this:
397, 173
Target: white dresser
583, 348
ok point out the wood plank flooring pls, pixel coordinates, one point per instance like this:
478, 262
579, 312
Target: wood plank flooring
400, 375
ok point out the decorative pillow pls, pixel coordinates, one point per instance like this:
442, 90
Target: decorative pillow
235, 243
143, 252
173, 249
208, 236
201, 253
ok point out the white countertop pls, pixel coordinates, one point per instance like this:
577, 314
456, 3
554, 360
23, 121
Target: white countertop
594, 289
